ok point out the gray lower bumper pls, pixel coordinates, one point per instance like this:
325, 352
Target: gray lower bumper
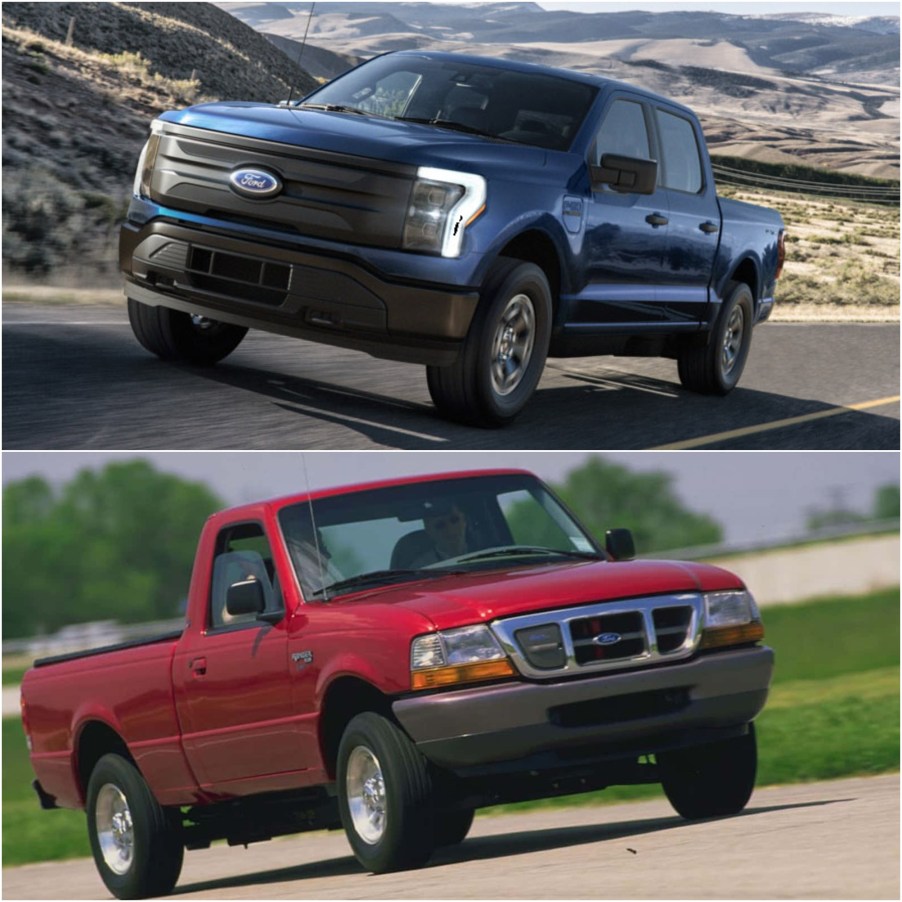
292, 292
637, 712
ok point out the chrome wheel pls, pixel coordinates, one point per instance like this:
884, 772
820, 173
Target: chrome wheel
513, 343
115, 831
732, 340
366, 795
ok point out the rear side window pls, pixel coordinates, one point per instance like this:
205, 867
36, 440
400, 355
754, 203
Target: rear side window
682, 164
623, 132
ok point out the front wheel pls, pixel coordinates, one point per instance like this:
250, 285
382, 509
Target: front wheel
135, 842
504, 353
714, 780
714, 368
385, 796
174, 335
452, 827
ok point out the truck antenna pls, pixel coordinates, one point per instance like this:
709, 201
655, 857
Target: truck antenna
319, 557
301, 51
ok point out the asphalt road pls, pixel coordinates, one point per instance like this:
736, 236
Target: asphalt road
837, 840
75, 378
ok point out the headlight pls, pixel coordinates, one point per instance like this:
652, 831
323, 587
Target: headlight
442, 204
731, 618
463, 655
147, 160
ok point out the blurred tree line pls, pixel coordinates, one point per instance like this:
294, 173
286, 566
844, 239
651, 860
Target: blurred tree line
605, 495
885, 506
117, 544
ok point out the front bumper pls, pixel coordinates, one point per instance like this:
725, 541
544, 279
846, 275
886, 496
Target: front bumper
617, 715
292, 291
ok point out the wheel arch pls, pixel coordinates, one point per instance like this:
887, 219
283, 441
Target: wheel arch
535, 245
748, 271
345, 698
96, 739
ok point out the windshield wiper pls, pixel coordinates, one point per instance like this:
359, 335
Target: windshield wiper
380, 577
518, 550
341, 108
454, 126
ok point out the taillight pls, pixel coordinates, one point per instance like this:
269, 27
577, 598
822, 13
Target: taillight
25, 722
781, 252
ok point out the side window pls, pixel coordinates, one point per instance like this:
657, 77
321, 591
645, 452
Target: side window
242, 553
623, 132
682, 165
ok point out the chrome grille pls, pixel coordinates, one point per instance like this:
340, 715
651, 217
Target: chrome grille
608, 635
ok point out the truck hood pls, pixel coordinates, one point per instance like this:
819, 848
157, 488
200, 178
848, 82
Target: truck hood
379, 139
483, 596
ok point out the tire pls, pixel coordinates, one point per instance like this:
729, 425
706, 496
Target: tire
136, 844
504, 353
174, 335
714, 780
452, 827
715, 367
385, 796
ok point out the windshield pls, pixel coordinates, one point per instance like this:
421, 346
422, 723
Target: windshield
523, 107
426, 530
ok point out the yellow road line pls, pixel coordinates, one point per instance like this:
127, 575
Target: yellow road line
774, 424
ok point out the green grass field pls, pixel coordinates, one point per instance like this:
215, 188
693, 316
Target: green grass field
833, 712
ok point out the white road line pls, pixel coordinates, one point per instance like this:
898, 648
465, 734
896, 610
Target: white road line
351, 419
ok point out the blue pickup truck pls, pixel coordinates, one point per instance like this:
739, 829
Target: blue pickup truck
473, 215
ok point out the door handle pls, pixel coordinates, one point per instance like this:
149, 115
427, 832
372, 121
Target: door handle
656, 219
198, 666
709, 228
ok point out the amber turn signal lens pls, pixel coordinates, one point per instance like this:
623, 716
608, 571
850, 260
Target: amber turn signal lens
462, 673
732, 635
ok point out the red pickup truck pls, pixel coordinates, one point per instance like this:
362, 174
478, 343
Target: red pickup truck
388, 658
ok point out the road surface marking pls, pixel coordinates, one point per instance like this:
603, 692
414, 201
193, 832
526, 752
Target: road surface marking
92, 322
326, 414
774, 424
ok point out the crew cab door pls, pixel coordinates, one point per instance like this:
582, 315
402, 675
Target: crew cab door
626, 234
695, 221
231, 676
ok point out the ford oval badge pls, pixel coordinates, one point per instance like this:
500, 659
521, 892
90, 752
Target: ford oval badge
256, 183
608, 639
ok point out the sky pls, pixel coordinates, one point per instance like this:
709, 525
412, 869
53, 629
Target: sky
756, 496
737, 7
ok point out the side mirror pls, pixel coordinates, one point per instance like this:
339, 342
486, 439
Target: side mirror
619, 544
627, 175
245, 597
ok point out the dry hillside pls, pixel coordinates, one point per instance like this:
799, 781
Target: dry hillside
76, 115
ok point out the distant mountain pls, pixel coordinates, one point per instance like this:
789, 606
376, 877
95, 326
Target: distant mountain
875, 24
318, 62
774, 88
803, 43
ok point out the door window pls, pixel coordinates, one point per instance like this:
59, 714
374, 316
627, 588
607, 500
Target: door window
623, 132
682, 165
242, 553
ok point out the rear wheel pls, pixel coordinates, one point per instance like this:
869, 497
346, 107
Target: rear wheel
174, 335
504, 353
136, 844
714, 368
714, 780
385, 795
